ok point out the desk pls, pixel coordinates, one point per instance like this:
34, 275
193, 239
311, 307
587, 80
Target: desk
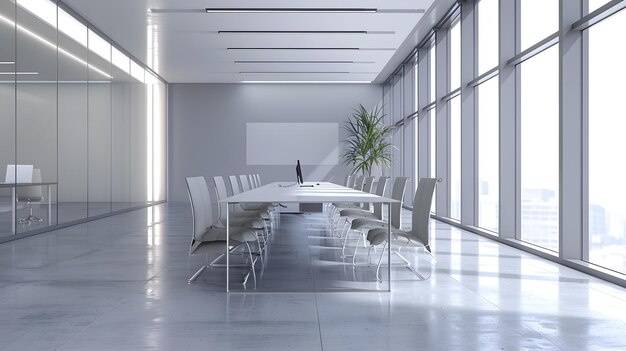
14, 187
287, 192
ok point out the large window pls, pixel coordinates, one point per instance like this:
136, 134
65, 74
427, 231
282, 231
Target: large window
432, 155
455, 158
487, 14
539, 121
538, 19
488, 154
455, 55
607, 208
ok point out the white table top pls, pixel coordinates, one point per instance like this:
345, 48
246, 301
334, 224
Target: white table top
320, 192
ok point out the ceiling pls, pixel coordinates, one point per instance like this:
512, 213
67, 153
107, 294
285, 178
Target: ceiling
181, 41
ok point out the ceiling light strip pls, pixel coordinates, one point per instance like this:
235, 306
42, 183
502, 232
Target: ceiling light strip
295, 61
302, 72
53, 46
290, 10
19, 73
307, 81
352, 49
7, 63
292, 32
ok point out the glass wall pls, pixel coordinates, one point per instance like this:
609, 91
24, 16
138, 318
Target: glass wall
606, 208
488, 154
539, 139
543, 127
85, 125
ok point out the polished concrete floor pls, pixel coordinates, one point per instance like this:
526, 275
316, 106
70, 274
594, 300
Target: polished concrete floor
120, 283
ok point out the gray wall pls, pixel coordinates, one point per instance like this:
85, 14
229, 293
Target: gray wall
207, 126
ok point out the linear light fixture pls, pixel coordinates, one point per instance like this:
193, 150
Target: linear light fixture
292, 72
53, 46
290, 10
292, 32
354, 49
19, 73
306, 82
7, 63
296, 61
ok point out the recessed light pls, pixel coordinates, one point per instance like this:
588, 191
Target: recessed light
290, 10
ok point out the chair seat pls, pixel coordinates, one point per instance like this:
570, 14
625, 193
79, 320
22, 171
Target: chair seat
249, 214
250, 222
237, 234
356, 212
367, 222
377, 236
256, 206
345, 205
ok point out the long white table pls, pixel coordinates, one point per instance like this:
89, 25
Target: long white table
320, 192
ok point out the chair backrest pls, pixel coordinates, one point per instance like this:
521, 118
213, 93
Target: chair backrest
351, 181
258, 179
245, 186
367, 187
397, 193
380, 191
252, 181
348, 179
200, 206
221, 193
33, 192
358, 184
234, 184
421, 209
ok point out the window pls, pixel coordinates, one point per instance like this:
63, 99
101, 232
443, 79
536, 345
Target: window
432, 156
488, 154
487, 12
539, 121
607, 210
455, 158
538, 20
432, 74
455, 55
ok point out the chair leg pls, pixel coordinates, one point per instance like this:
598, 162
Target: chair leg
356, 247
380, 260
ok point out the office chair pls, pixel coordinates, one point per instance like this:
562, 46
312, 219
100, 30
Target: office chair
30, 194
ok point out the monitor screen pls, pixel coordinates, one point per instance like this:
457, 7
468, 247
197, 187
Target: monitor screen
299, 173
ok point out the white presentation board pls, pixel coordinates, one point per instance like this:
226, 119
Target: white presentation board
275, 144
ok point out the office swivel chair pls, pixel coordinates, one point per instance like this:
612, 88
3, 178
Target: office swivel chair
30, 194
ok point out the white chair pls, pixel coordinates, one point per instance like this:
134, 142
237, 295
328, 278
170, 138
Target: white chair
209, 238
418, 236
236, 217
29, 194
364, 221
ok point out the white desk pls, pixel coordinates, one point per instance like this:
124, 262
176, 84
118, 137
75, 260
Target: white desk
280, 192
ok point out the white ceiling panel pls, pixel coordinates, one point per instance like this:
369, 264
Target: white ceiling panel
181, 41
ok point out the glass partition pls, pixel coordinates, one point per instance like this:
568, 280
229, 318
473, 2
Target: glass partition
99, 125
7, 110
36, 115
90, 121
73, 144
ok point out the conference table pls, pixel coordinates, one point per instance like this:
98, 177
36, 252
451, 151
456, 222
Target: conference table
14, 187
312, 192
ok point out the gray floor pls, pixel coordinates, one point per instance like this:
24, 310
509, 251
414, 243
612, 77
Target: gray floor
120, 283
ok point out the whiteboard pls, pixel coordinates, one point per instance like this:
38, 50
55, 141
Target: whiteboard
276, 144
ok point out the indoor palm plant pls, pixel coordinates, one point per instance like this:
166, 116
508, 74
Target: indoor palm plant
368, 145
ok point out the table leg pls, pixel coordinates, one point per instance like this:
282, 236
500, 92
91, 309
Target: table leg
49, 205
227, 248
13, 210
389, 246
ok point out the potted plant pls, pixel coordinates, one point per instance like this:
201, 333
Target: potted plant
367, 141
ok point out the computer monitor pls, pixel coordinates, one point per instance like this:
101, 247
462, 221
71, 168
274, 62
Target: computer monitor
24, 174
299, 173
